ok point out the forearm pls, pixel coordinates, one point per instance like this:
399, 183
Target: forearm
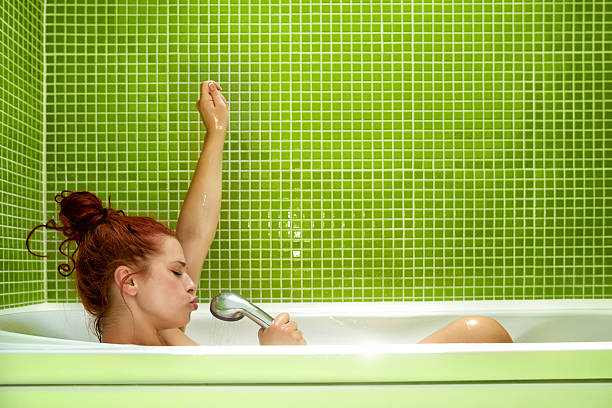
199, 214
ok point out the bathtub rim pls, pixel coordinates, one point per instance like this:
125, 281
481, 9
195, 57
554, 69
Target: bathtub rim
330, 349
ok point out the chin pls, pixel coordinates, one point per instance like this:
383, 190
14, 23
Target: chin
186, 320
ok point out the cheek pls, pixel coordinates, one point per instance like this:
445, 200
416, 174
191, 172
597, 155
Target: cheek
166, 305
163, 292
173, 291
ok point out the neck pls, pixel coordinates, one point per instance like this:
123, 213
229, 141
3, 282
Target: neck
119, 326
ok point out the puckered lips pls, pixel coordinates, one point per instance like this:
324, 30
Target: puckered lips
194, 303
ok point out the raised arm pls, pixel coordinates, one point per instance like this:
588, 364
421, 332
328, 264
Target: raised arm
199, 215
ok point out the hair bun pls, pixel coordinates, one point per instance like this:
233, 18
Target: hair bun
80, 212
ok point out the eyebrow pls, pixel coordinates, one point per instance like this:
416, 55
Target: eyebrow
182, 263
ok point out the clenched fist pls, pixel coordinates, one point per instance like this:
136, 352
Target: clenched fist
212, 107
281, 332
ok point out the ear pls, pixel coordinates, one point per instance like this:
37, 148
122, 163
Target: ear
129, 287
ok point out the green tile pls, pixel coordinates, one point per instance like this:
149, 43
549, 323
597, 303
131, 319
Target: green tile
21, 160
463, 145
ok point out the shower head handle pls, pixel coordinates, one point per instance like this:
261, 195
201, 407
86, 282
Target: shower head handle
230, 306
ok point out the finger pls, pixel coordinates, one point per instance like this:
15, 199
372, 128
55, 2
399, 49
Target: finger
203, 90
216, 95
210, 92
220, 94
210, 88
260, 333
281, 319
291, 326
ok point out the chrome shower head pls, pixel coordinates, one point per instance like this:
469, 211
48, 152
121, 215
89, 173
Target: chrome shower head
231, 306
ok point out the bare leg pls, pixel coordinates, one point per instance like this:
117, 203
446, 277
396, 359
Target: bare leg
472, 329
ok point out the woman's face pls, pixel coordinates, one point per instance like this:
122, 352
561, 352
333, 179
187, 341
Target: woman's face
166, 291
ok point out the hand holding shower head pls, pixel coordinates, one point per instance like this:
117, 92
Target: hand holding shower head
231, 306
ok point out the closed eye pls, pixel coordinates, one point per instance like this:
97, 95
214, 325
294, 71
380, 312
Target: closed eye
177, 273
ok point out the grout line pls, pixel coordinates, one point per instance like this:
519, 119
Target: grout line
44, 145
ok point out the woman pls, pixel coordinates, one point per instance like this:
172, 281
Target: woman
138, 278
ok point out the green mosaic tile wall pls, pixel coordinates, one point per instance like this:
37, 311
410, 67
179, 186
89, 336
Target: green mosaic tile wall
21, 147
377, 150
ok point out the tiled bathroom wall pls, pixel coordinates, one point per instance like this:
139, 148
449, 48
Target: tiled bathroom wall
21, 150
377, 150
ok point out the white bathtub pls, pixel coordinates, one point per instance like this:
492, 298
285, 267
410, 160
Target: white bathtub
358, 354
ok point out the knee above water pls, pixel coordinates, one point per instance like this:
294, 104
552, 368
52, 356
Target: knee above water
486, 329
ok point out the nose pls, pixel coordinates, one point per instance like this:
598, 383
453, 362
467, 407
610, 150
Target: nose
190, 286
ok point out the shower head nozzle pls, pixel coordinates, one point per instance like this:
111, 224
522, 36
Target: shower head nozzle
231, 306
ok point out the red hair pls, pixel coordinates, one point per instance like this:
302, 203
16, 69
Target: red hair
106, 239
